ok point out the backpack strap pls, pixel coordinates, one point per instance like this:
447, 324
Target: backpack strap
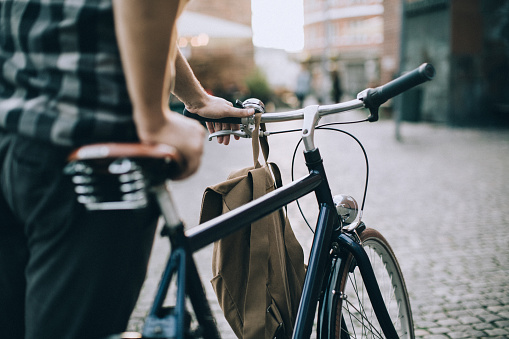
254, 315
258, 141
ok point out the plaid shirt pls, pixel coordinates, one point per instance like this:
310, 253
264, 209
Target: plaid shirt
61, 78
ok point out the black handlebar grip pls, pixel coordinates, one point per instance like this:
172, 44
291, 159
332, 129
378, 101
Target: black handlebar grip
376, 97
423, 73
228, 120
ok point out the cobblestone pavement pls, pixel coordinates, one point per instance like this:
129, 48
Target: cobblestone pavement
439, 196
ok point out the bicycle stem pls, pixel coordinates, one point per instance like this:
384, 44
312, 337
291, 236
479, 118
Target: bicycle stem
311, 118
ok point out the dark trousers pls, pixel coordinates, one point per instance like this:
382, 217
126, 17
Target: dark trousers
64, 272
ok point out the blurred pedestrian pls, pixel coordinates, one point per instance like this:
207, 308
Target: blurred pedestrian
337, 92
303, 86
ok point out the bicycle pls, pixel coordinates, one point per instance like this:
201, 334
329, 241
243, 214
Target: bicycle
353, 278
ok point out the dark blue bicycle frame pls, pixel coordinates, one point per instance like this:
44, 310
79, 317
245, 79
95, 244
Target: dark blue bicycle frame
181, 263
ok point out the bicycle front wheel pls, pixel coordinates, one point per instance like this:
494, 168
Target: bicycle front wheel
354, 315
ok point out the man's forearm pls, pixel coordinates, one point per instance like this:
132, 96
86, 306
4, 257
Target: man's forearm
146, 40
187, 87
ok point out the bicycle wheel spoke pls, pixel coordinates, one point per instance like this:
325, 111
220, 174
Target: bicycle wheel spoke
359, 318
362, 318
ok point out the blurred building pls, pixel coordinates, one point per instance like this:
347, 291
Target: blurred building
345, 36
468, 43
216, 38
372, 41
391, 47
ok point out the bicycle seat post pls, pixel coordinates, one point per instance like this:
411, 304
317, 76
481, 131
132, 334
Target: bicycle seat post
167, 206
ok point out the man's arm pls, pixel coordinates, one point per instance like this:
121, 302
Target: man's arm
147, 42
187, 87
189, 90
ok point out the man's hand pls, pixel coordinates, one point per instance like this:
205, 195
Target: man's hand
216, 108
185, 134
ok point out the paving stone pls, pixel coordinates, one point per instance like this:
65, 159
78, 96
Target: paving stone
502, 323
497, 332
439, 330
497, 309
448, 322
421, 333
490, 318
469, 320
480, 312
504, 314
439, 336
458, 313
490, 302
465, 334
462, 328
482, 326
425, 324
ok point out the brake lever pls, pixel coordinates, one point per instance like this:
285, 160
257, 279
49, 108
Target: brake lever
248, 124
224, 132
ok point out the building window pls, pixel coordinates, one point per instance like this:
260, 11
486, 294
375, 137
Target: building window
314, 37
358, 32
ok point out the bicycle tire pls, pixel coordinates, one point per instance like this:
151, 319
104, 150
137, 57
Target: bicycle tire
353, 313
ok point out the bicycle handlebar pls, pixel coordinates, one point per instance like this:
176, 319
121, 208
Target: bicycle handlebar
381, 94
229, 120
371, 98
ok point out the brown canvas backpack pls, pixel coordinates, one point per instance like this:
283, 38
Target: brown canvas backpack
259, 270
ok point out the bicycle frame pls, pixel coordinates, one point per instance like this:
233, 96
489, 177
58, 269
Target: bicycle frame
333, 246
328, 231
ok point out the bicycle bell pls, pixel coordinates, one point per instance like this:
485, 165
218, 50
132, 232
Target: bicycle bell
346, 207
257, 104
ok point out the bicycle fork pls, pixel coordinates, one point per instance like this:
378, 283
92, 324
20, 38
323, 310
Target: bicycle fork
345, 245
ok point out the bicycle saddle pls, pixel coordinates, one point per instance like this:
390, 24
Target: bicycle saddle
117, 175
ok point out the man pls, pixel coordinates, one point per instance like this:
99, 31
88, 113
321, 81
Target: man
74, 72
